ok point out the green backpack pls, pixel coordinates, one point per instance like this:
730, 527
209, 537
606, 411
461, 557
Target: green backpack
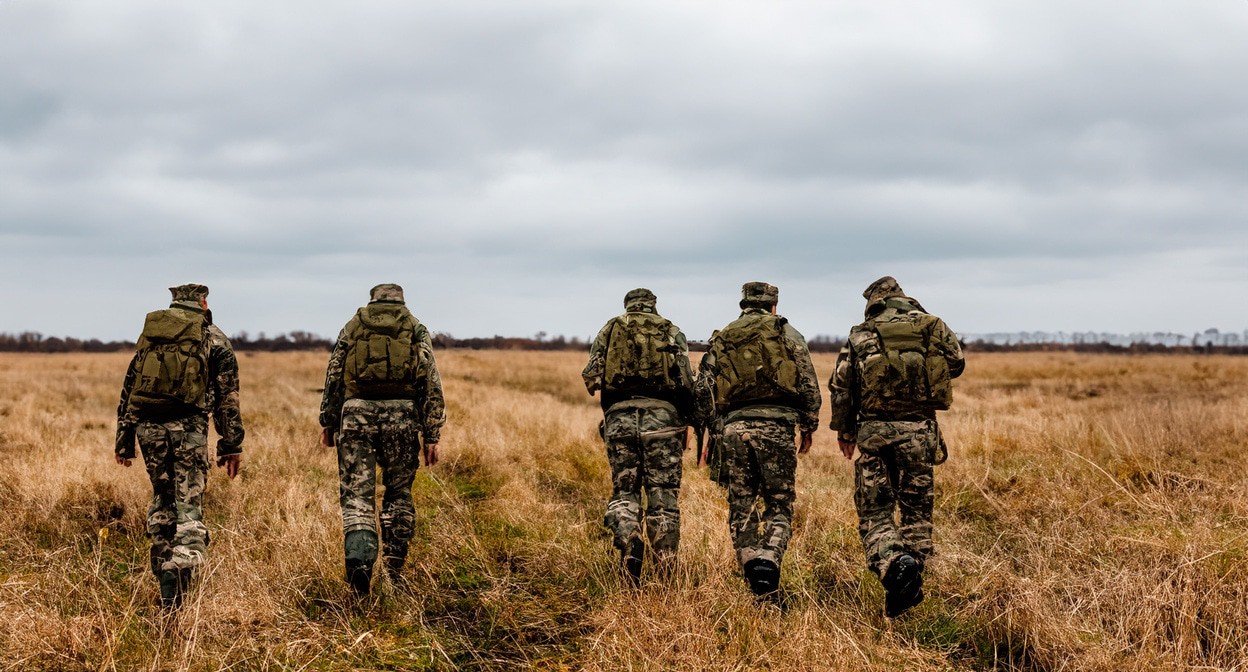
906, 372
754, 363
383, 346
641, 354
171, 364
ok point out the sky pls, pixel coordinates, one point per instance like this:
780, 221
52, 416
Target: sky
519, 166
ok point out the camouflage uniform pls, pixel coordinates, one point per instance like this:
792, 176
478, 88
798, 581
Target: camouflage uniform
645, 435
387, 433
896, 450
758, 445
704, 393
175, 450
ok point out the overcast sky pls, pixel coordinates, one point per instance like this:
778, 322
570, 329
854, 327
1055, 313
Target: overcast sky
518, 166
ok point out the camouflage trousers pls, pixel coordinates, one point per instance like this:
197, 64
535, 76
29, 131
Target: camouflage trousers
893, 474
382, 433
762, 466
175, 453
645, 441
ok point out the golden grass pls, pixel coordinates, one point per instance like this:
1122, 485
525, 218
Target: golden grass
1092, 516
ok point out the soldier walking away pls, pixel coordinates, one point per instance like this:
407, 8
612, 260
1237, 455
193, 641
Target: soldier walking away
891, 377
383, 395
759, 374
183, 370
640, 362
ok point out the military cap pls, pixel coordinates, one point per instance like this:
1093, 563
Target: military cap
639, 298
759, 294
386, 292
884, 288
189, 292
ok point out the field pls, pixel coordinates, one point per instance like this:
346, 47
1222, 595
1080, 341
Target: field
1093, 515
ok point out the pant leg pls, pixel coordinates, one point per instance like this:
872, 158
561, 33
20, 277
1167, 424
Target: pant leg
777, 450
744, 487
399, 438
875, 496
190, 542
621, 432
663, 447
155, 444
915, 492
357, 468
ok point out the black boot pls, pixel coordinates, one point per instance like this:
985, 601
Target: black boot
763, 576
396, 557
361, 554
170, 589
632, 558
903, 585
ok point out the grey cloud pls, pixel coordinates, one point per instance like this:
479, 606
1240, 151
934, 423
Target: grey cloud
502, 153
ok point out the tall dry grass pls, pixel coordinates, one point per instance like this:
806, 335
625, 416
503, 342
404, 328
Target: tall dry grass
1092, 516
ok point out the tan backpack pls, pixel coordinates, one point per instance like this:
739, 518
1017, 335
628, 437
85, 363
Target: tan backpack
171, 364
754, 363
383, 353
907, 371
641, 354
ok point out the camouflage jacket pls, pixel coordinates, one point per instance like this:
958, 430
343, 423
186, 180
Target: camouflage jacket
805, 413
846, 382
221, 400
682, 398
429, 401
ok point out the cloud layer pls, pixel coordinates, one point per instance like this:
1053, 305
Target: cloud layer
519, 166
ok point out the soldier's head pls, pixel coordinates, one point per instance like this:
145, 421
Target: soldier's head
386, 292
759, 295
190, 294
884, 288
640, 300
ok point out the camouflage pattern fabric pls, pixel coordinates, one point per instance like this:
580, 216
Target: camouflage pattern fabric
176, 456
379, 434
809, 401
762, 459
645, 441
221, 399
848, 385
175, 450
431, 405
893, 473
641, 300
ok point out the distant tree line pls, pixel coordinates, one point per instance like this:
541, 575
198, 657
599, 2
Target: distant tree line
29, 341
302, 340
1105, 347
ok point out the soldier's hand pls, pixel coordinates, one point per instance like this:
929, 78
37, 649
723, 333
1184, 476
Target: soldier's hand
327, 437
123, 461
431, 454
808, 438
231, 464
847, 447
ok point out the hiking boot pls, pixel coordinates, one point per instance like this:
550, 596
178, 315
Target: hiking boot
170, 589
763, 576
395, 557
632, 557
361, 552
360, 576
903, 585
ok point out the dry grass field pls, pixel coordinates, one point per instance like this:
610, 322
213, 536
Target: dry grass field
1093, 515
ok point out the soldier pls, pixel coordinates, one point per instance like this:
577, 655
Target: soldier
183, 370
640, 362
760, 377
711, 450
891, 377
382, 395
